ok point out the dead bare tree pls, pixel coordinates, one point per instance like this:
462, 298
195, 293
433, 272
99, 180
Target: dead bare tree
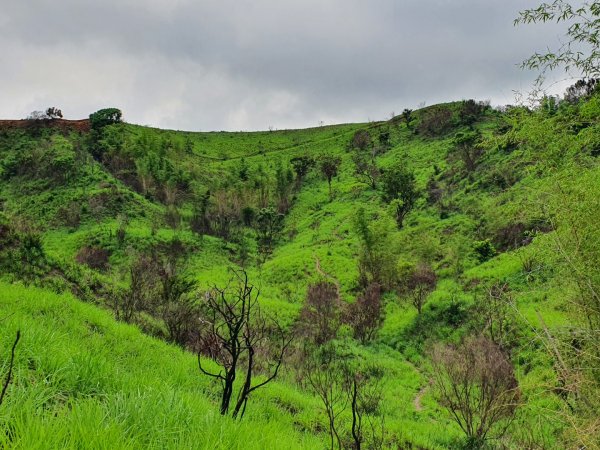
238, 334
495, 313
10, 367
476, 383
339, 382
365, 392
326, 380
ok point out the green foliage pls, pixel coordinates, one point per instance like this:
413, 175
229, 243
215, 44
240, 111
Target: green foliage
302, 165
399, 189
329, 165
580, 49
104, 117
269, 224
484, 250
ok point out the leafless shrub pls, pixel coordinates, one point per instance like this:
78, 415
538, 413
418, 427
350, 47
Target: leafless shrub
361, 140
435, 121
70, 215
419, 283
435, 192
141, 292
365, 393
476, 383
176, 305
327, 382
511, 236
172, 217
93, 257
321, 314
339, 385
366, 314
495, 312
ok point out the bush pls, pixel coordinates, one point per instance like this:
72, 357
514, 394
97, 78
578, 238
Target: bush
485, 250
93, 257
471, 111
321, 314
365, 316
476, 383
435, 121
419, 283
361, 141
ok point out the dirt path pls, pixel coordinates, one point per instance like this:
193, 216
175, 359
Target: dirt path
326, 275
64, 125
417, 401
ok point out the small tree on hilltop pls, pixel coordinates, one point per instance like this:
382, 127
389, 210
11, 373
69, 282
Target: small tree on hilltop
581, 89
54, 113
407, 117
399, 188
104, 117
49, 114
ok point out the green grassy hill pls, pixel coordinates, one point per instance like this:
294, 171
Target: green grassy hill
505, 200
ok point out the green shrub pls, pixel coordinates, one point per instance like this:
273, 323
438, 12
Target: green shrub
485, 250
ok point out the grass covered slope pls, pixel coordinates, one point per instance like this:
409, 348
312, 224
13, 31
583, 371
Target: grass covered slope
496, 191
83, 380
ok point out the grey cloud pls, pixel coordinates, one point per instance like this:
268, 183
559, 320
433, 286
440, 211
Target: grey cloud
249, 65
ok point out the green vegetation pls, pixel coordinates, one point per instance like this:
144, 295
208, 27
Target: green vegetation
392, 254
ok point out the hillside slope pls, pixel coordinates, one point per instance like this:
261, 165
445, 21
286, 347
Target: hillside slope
496, 197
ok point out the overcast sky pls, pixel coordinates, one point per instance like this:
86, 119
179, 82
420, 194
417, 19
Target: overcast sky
248, 65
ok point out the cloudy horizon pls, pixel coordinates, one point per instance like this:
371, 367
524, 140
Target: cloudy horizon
201, 66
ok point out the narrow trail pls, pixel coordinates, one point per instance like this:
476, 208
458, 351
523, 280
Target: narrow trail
329, 277
417, 401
